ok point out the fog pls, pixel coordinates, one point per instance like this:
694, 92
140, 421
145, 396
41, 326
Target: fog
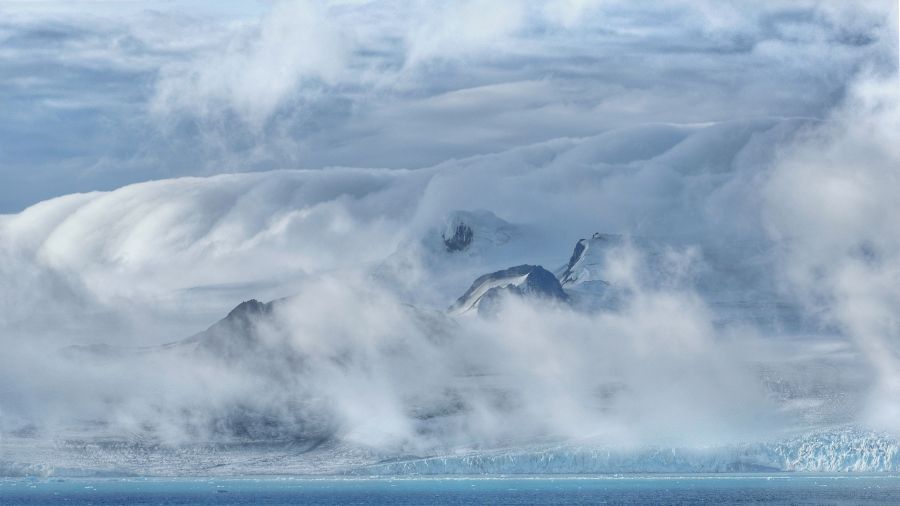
344, 358
760, 225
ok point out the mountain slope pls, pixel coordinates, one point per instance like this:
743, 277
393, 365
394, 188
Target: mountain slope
522, 280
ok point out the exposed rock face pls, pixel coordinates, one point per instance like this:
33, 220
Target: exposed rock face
522, 280
540, 283
584, 260
461, 238
474, 231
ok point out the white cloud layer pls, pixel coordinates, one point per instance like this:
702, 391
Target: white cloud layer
736, 135
831, 204
107, 97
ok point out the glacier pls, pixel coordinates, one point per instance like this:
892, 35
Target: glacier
840, 450
847, 449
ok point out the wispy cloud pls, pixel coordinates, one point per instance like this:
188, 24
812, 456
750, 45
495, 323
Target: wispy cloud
98, 99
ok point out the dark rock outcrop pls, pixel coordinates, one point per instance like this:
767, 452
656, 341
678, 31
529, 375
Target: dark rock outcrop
461, 238
236, 334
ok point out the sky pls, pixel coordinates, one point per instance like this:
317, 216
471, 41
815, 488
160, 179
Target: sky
97, 95
161, 162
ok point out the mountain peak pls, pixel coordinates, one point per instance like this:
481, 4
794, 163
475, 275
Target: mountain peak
474, 230
522, 280
584, 261
248, 308
461, 238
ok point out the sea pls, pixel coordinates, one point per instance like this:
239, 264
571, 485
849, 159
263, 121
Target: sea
793, 489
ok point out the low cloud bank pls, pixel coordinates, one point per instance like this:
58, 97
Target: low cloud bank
768, 201
349, 355
830, 205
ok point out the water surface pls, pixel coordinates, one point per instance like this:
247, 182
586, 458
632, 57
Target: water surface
624, 490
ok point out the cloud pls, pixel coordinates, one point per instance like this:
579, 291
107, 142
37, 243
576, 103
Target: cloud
103, 98
712, 130
463, 30
294, 45
400, 379
829, 203
153, 262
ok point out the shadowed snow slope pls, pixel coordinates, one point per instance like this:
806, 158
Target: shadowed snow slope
522, 280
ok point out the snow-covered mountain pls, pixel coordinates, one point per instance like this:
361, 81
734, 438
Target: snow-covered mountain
523, 280
475, 231
263, 341
588, 261
517, 306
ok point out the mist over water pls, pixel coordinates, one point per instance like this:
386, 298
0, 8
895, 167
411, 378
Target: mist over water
746, 279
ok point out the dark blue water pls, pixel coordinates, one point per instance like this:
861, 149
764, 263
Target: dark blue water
718, 489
